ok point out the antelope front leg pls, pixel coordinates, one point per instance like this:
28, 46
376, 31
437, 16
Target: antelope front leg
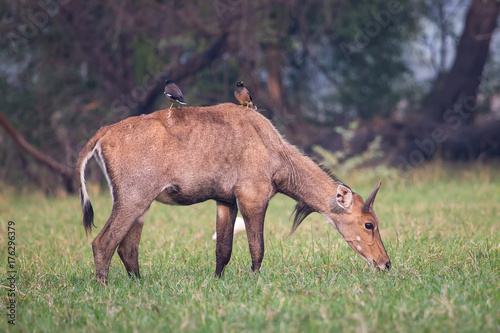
254, 224
226, 215
253, 205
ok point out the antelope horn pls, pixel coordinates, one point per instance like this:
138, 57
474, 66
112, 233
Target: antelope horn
371, 198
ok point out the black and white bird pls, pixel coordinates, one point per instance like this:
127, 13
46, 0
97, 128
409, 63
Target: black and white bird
242, 95
173, 93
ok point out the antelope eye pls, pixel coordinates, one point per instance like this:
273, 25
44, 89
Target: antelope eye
369, 226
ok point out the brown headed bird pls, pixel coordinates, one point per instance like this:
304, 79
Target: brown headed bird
173, 93
242, 95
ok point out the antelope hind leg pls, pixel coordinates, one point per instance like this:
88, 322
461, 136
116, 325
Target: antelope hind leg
128, 250
114, 231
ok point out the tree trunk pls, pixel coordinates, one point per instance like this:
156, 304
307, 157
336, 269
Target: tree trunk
455, 95
446, 126
285, 114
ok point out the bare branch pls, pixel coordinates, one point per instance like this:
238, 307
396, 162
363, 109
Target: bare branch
62, 170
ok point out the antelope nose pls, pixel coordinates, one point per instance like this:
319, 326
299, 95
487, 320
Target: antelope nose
388, 265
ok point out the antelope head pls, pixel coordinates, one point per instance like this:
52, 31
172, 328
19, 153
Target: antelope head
357, 223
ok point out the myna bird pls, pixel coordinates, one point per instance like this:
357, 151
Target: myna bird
173, 93
242, 95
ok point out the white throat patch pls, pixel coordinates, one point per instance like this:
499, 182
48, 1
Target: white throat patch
329, 220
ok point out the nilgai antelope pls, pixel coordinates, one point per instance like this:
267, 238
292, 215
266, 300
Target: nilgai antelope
238, 159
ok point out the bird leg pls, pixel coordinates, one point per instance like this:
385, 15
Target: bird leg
171, 105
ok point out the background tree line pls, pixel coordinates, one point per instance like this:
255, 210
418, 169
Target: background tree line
69, 67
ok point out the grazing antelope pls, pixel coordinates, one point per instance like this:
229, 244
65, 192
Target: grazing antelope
238, 159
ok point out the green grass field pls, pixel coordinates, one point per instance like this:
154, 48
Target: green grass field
441, 229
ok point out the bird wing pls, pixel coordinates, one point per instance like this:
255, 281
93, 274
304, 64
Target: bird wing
174, 93
247, 94
242, 95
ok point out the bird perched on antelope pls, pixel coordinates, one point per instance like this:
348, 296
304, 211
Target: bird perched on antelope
242, 95
173, 93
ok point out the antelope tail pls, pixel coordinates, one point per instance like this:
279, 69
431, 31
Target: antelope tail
88, 211
86, 154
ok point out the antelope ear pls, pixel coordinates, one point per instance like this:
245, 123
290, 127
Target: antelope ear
344, 197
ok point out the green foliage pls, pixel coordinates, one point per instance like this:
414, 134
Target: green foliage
343, 162
440, 228
373, 63
358, 65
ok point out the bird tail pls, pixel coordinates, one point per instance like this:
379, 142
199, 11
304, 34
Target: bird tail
179, 100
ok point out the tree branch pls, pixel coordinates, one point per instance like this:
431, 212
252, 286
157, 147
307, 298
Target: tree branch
192, 66
61, 170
